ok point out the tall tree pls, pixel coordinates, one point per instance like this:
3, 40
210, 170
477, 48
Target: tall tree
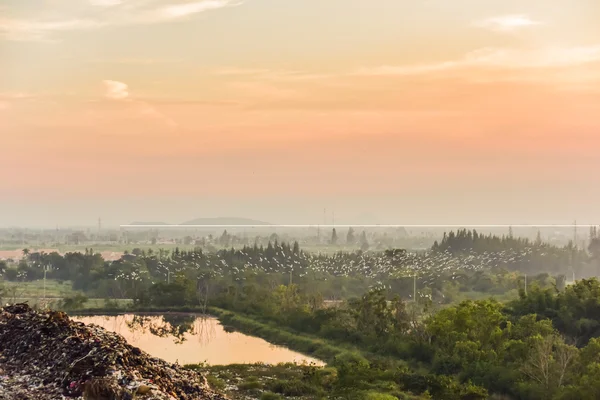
364, 243
334, 237
350, 237
538, 238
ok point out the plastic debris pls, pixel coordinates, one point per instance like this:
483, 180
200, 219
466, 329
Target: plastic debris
45, 355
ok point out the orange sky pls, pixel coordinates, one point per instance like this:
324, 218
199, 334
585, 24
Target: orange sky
278, 109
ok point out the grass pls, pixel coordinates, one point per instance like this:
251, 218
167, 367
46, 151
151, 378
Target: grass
33, 293
266, 382
54, 289
289, 381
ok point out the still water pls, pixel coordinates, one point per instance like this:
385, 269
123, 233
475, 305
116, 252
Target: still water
189, 339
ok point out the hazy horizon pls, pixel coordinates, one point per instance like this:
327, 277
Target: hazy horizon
400, 113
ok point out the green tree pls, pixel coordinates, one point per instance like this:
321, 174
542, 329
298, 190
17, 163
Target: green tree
350, 237
364, 243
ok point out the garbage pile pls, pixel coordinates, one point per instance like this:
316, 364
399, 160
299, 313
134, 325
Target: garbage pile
45, 355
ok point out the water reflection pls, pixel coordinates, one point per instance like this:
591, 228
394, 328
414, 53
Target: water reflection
190, 338
177, 326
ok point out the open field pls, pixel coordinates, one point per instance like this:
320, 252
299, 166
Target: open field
33, 293
15, 251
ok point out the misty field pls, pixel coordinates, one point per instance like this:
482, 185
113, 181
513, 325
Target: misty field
55, 291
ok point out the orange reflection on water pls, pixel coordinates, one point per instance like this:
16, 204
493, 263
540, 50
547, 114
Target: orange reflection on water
208, 342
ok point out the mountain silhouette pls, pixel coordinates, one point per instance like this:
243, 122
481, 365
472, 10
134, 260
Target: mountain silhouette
225, 221
148, 223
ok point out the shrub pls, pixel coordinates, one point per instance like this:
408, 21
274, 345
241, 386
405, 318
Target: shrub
270, 396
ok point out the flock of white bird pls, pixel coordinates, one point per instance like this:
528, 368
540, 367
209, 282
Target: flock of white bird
427, 267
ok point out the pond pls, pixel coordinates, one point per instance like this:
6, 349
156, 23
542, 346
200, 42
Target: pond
192, 339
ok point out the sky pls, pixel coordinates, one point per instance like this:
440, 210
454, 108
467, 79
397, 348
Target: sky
394, 111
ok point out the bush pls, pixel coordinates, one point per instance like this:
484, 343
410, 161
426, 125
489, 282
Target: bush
250, 384
379, 396
110, 304
291, 388
215, 383
75, 302
10, 274
270, 396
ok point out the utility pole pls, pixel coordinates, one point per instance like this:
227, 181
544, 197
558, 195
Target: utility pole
415, 287
45, 270
291, 274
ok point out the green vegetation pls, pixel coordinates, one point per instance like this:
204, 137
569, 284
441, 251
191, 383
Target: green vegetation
469, 350
477, 327
261, 381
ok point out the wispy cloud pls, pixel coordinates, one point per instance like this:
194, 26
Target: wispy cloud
36, 30
116, 90
9, 99
183, 10
507, 23
134, 61
119, 91
105, 3
118, 13
232, 71
146, 110
551, 57
16, 95
268, 74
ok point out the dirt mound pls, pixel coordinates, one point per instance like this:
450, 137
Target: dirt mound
45, 355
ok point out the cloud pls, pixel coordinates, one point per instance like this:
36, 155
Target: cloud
146, 110
241, 71
16, 96
134, 61
273, 75
34, 30
4, 105
507, 23
500, 58
116, 90
118, 13
183, 10
105, 3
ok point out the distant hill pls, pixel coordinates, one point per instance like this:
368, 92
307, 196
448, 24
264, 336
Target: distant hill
225, 221
148, 223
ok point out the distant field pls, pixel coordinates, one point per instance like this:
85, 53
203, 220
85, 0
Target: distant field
36, 288
33, 293
120, 248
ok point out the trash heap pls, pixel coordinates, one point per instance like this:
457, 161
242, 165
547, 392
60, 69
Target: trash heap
45, 355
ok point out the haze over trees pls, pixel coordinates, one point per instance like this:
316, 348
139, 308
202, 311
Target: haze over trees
474, 316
